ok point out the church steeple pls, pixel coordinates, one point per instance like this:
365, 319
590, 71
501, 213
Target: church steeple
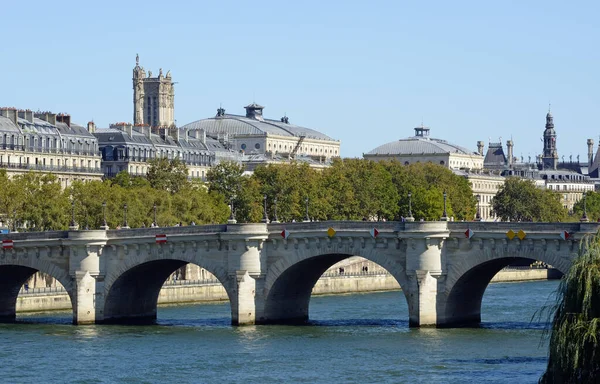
550, 155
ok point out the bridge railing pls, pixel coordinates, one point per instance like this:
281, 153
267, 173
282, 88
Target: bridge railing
515, 225
185, 230
337, 225
46, 235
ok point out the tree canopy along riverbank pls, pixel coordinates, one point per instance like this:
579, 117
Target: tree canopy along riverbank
350, 189
575, 336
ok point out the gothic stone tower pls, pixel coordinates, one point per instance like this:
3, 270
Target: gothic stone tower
550, 156
153, 98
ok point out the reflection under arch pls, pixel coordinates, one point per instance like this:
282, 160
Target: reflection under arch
464, 298
288, 295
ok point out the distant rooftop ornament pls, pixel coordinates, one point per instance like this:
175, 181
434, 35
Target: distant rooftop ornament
422, 131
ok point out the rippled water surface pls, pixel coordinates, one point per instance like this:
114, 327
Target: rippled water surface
360, 338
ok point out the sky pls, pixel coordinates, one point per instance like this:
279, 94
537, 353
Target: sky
364, 73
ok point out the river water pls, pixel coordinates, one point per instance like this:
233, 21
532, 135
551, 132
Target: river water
361, 338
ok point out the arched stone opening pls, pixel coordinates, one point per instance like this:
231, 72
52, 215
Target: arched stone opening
464, 299
287, 299
12, 279
133, 296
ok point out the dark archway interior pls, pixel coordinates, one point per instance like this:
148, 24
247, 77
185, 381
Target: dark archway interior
12, 278
289, 297
133, 296
463, 307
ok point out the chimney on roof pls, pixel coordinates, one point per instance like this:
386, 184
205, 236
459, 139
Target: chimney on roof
27, 115
64, 118
509, 150
480, 147
10, 113
174, 133
91, 127
48, 117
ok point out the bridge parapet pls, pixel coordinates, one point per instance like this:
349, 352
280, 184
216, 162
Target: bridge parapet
525, 226
337, 225
187, 230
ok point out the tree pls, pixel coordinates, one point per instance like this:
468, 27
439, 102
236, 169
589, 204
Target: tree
592, 206
225, 178
521, 200
575, 336
167, 174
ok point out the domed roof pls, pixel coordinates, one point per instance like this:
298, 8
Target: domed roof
420, 144
252, 124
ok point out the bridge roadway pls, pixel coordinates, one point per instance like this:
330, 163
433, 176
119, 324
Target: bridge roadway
115, 276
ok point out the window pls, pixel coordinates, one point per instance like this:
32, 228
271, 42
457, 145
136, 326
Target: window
243, 146
257, 146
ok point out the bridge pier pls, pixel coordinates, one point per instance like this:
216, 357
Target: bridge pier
84, 268
425, 267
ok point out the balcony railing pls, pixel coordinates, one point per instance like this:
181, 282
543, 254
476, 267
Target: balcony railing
50, 168
65, 151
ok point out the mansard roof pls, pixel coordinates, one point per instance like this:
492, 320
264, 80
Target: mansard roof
495, 156
116, 137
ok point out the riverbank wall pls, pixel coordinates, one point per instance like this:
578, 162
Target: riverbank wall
186, 291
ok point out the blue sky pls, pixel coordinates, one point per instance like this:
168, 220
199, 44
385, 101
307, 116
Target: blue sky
362, 72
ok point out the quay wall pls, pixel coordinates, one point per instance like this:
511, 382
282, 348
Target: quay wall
188, 292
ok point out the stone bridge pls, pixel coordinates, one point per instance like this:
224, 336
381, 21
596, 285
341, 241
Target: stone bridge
115, 276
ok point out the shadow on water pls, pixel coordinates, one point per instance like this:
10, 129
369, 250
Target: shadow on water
358, 323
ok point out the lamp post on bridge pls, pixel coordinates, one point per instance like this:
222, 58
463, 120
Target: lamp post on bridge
410, 215
307, 218
155, 222
444, 214
232, 219
125, 225
265, 218
584, 218
478, 215
104, 225
275, 220
73, 225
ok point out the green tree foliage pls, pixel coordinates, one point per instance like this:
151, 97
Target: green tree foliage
575, 337
167, 174
226, 179
521, 200
427, 183
592, 206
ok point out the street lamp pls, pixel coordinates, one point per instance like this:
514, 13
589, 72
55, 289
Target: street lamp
265, 218
104, 224
73, 225
478, 216
275, 220
410, 215
584, 218
155, 222
444, 214
307, 218
232, 219
125, 225
14, 220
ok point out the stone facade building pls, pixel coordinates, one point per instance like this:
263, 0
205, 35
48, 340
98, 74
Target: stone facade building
48, 142
421, 148
126, 147
252, 134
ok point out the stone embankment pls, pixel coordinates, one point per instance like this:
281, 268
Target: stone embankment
334, 281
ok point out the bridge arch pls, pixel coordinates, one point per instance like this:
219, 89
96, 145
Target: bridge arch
290, 280
14, 272
468, 278
132, 288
